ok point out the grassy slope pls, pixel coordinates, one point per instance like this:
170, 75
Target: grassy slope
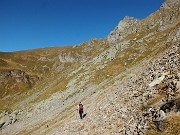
132, 54
41, 63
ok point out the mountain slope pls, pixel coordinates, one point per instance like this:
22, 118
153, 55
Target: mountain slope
124, 81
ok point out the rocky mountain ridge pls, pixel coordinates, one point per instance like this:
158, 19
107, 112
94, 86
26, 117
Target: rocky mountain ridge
167, 15
128, 82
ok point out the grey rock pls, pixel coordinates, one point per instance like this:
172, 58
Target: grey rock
126, 26
7, 120
156, 81
70, 57
13, 118
2, 114
2, 122
162, 115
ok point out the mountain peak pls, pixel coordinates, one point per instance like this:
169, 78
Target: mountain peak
125, 26
126, 23
161, 19
168, 4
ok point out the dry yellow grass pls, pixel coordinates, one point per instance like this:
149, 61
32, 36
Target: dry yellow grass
58, 87
156, 99
170, 126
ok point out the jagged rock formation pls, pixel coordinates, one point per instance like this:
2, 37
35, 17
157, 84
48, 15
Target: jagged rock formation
16, 79
167, 15
127, 26
128, 82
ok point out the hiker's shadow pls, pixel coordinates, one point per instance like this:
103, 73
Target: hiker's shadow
84, 115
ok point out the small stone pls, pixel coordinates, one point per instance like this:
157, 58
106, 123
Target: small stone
2, 114
162, 115
156, 81
178, 76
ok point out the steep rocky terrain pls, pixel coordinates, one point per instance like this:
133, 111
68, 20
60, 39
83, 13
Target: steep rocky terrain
128, 82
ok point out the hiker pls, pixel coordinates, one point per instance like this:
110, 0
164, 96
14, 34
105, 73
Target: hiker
80, 109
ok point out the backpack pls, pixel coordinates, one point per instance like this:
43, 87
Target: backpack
80, 107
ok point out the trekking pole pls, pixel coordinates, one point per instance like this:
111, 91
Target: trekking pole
77, 115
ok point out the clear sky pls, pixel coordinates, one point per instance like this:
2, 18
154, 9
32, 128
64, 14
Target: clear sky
29, 24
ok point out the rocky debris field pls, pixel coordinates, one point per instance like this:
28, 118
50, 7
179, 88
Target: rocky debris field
142, 104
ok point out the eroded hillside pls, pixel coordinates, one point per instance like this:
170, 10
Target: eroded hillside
128, 82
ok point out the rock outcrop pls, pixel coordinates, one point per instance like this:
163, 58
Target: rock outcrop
167, 15
70, 58
127, 26
16, 79
7, 118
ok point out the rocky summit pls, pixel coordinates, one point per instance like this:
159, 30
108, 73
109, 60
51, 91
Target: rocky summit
128, 82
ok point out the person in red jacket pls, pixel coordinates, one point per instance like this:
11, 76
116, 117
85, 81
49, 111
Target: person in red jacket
80, 109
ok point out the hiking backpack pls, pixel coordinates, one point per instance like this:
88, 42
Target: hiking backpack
80, 107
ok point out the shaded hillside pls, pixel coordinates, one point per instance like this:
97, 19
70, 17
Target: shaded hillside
124, 81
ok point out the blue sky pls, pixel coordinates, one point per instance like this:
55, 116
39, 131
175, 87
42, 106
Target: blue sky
29, 24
